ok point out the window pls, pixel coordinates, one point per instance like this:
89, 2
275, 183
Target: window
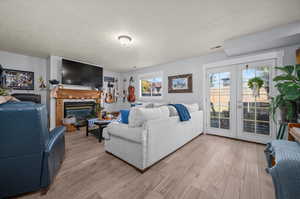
151, 85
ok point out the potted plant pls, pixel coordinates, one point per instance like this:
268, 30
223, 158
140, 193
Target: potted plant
288, 86
3, 92
255, 84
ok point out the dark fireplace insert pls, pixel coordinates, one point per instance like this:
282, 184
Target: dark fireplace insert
80, 110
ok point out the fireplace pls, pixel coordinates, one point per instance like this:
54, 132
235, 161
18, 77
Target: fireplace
80, 110
63, 96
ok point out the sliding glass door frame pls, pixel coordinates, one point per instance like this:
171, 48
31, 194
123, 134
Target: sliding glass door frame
232, 88
254, 136
234, 66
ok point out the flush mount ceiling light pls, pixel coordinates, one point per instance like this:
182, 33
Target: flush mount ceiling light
125, 40
216, 47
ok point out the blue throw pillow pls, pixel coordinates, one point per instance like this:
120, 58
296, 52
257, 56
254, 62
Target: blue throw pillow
124, 116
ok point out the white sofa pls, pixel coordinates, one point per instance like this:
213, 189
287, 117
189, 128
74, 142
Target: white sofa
144, 146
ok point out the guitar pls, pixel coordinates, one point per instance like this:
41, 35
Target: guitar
108, 95
131, 89
116, 91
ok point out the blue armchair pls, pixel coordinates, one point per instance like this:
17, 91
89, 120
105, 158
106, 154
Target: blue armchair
30, 156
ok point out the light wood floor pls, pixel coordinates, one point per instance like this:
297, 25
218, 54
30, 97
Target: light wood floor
209, 167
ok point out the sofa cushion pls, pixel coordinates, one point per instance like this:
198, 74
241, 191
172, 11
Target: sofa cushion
192, 107
138, 116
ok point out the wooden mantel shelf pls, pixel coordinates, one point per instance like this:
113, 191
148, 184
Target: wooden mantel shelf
60, 94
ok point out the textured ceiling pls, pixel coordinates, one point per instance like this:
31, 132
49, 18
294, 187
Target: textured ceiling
162, 30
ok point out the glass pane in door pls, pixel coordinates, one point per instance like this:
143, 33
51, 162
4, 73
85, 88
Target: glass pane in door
219, 96
256, 117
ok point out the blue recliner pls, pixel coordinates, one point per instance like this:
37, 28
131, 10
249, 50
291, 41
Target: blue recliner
30, 156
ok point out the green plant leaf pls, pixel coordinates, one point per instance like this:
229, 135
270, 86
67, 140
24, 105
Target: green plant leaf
3, 92
297, 68
289, 69
288, 85
255, 80
285, 78
291, 92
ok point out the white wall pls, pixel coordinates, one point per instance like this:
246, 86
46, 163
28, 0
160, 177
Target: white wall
26, 63
194, 66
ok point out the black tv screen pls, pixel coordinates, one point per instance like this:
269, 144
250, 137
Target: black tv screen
76, 73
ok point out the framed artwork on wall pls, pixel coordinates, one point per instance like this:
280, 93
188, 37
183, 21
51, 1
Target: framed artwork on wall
180, 83
19, 80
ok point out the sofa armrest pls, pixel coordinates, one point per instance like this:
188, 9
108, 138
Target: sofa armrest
55, 134
124, 132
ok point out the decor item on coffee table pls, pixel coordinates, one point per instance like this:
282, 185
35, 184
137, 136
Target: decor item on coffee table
180, 83
69, 123
19, 80
100, 123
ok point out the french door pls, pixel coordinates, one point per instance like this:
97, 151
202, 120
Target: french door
232, 108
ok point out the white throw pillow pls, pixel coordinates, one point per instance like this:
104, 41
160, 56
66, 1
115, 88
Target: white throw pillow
173, 111
158, 104
192, 107
144, 105
133, 118
138, 116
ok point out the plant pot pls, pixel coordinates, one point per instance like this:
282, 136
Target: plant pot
284, 113
255, 90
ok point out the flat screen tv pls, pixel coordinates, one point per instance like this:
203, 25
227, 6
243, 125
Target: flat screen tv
76, 73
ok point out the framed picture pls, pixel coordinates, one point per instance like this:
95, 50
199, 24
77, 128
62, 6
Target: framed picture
108, 79
19, 80
180, 83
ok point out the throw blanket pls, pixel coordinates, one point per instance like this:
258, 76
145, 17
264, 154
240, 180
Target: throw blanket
286, 172
5, 99
182, 111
